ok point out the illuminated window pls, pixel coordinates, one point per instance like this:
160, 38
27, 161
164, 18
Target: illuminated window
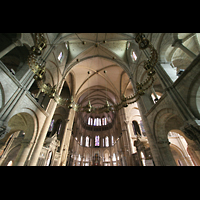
105, 119
114, 157
60, 56
97, 141
133, 55
155, 96
59, 128
112, 139
107, 141
114, 160
87, 141
10, 163
95, 122
90, 121
98, 121
81, 140
142, 158
51, 125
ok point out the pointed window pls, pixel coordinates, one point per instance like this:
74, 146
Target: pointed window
97, 141
87, 141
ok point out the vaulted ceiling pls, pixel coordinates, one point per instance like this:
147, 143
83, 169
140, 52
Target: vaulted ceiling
99, 64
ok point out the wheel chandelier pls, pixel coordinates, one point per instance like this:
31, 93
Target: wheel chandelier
39, 71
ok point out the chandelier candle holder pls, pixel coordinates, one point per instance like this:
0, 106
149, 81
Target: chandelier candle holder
39, 71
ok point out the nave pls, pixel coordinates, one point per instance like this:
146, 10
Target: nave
99, 99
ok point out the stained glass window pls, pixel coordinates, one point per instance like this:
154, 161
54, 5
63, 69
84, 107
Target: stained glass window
90, 121
99, 121
51, 125
95, 122
107, 141
59, 128
97, 141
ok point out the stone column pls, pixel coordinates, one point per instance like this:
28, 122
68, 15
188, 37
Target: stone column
132, 148
192, 133
62, 146
166, 153
23, 153
157, 157
43, 132
67, 137
125, 138
178, 43
10, 48
147, 101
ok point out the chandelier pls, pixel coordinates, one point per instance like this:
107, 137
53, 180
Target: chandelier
39, 71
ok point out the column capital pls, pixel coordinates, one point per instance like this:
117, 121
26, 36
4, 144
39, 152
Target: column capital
126, 121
